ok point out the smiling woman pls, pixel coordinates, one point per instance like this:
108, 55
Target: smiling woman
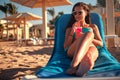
81, 46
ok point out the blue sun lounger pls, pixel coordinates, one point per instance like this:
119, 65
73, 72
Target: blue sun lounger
105, 66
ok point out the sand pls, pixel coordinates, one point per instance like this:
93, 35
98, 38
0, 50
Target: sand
16, 61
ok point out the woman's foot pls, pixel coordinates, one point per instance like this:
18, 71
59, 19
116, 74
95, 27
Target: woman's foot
72, 71
80, 75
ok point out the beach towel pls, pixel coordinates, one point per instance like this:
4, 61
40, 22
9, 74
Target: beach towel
105, 66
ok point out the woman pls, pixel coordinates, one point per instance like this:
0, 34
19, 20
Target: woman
81, 40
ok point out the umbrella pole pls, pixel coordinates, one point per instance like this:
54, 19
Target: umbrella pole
44, 13
18, 34
110, 21
7, 27
110, 17
26, 31
14, 31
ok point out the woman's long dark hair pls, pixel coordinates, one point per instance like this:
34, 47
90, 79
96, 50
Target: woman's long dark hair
87, 18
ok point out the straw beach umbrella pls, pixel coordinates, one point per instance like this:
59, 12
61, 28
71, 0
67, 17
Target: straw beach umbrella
43, 4
24, 17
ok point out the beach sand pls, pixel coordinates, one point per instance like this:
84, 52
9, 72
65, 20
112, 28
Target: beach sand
16, 62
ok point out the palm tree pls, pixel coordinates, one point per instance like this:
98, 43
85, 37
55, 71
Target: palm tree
91, 7
12, 9
101, 3
59, 14
51, 12
8, 8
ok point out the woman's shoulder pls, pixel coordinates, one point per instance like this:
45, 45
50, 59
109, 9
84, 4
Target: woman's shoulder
93, 26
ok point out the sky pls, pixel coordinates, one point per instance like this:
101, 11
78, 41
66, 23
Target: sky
38, 11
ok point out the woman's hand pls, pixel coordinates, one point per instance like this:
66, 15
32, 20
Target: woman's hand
76, 24
78, 32
68, 37
72, 32
77, 29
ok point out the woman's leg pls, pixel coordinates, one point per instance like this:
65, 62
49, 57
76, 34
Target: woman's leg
71, 52
83, 47
75, 50
87, 62
74, 47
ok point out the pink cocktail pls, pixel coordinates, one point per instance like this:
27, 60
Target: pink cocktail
78, 32
78, 29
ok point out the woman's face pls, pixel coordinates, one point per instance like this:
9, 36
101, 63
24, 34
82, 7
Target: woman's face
79, 13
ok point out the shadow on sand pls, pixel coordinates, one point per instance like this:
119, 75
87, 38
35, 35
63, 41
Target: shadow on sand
13, 72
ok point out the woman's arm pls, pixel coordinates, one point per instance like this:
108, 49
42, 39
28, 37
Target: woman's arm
68, 37
97, 41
